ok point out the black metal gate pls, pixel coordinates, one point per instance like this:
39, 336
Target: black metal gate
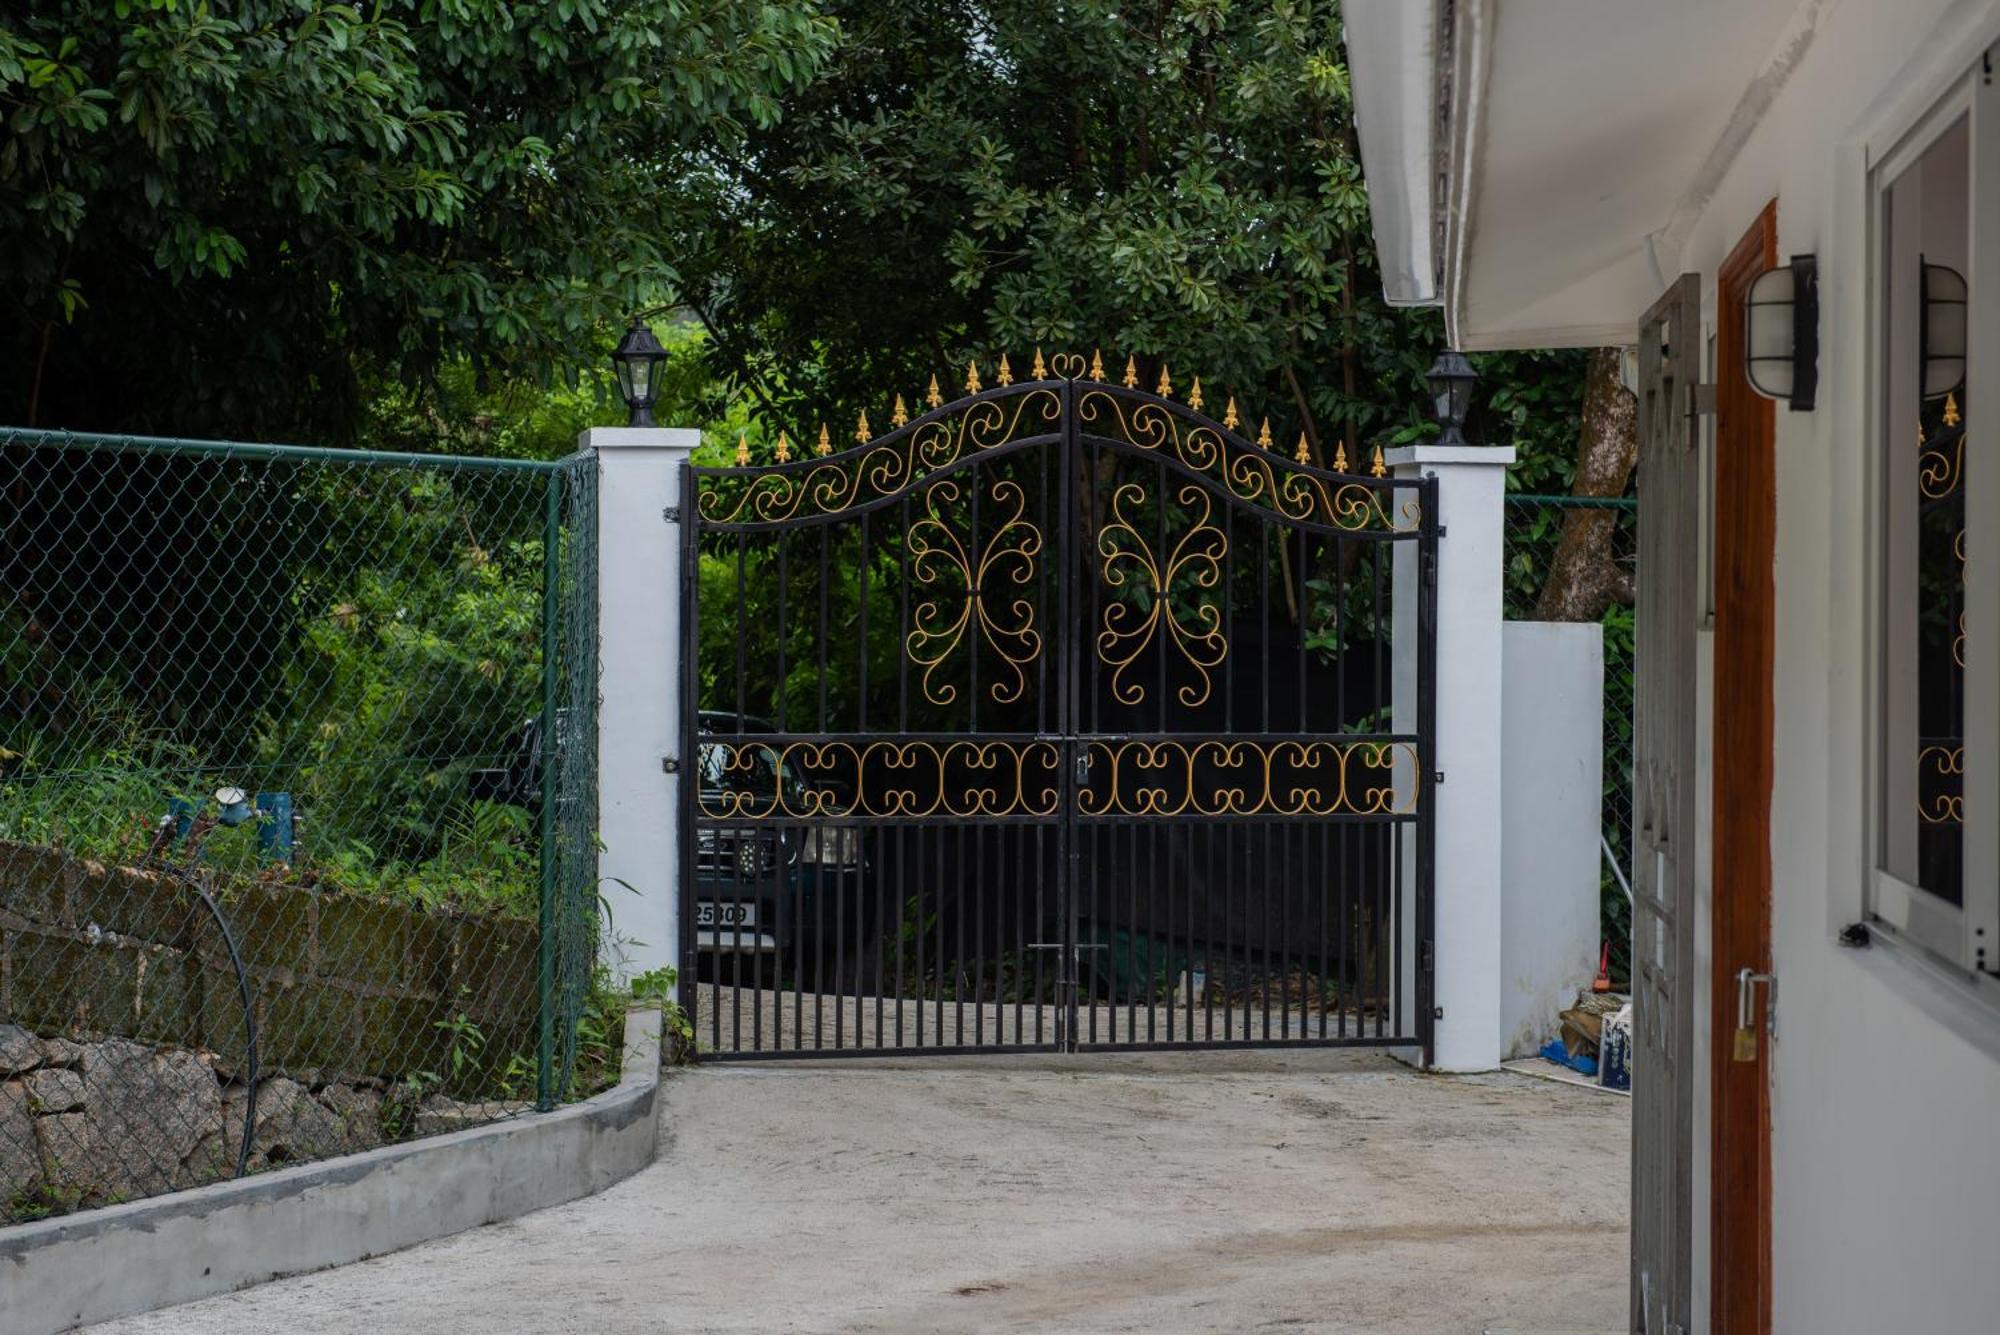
1061, 716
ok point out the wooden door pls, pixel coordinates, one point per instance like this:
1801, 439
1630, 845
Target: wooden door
1745, 633
1663, 882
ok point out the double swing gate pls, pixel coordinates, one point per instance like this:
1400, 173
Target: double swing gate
1058, 717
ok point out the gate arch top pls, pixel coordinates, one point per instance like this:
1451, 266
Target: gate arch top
1074, 406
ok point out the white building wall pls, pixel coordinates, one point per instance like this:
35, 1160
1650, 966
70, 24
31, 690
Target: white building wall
1885, 1142
1551, 811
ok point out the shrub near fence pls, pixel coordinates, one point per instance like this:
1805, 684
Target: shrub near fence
297, 804
1534, 534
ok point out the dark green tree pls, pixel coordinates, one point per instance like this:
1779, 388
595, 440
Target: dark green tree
223, 217
1177, 180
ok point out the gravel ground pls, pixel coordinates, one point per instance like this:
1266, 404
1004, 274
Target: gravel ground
1322, 1191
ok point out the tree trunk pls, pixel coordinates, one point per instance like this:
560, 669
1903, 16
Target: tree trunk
1585, 577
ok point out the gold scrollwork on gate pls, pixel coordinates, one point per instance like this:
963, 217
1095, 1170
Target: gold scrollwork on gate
1940, 770
1193, 562
1242, 777
838, 482
1010, 551
747, 778
1940, 463
1254, 476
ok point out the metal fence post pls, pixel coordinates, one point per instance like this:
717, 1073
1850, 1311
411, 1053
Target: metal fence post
545, 996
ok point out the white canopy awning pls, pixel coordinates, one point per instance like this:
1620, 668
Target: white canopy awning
1535, 165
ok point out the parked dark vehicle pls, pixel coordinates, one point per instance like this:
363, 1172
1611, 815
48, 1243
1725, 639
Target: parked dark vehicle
519, 782
796, 895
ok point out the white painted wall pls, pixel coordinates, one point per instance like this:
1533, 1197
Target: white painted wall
1551, 806
639, 691
1886, 1084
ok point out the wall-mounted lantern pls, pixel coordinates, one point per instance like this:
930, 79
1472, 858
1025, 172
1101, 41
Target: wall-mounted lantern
1451, 378
1781, 333
637, 359
1942, 332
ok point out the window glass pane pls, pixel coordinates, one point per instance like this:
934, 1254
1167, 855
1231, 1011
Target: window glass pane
1925, 458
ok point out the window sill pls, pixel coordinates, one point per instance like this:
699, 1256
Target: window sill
1965, 1004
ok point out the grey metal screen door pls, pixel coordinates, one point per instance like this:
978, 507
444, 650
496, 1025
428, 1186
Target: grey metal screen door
1663, 883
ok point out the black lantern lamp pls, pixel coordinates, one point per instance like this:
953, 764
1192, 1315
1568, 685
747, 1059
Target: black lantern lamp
637, 360
1781, 333
1451, 378
1942, 330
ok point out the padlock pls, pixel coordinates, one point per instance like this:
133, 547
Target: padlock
1744, 1049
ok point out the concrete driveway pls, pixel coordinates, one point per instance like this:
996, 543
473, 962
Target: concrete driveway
1192, 1192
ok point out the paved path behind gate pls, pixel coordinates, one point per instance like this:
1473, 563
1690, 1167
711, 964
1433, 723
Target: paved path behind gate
1188, 1192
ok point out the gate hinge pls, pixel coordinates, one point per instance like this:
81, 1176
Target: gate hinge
670, 765
672, 514
1437, 776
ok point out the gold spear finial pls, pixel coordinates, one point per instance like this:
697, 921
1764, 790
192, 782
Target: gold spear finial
861, 431
1166, 388
1040, 370
972, 377
901, 414
1006, 373
1194, 395
1302, 454
825, 445
1378, 468
743, 450
934, 398
1951, 410
1229, 417
784, 449
1096, 364
1264, 435
1131, 373
1340, 457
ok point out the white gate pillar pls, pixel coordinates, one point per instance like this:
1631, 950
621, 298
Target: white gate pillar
1465, 807
639, 691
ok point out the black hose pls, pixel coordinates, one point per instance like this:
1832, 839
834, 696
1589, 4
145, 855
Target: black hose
249, 1015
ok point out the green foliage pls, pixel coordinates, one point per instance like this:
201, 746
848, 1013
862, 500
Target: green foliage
1181, 182
234, 209
363, 638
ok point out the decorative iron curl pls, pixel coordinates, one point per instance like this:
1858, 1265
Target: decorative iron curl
1246, 472
887, 779
882, 468
1162, 777
1196, 557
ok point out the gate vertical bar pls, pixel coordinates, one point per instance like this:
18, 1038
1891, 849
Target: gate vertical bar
1427, 771
1069, 755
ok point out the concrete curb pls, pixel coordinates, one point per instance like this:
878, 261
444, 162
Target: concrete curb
58, 1274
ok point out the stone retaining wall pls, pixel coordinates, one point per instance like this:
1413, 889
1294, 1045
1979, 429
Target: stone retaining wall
122, 1049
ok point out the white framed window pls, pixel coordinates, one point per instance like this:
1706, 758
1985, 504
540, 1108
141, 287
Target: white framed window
1936, 485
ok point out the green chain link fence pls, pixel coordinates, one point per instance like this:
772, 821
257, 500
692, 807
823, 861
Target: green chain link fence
297, 805
1534, 535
